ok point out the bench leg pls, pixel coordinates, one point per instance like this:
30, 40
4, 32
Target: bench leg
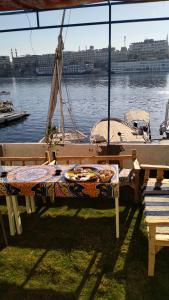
151, 251
117, 216
137, 188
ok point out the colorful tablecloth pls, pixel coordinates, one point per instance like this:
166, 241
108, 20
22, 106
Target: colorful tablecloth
42, 180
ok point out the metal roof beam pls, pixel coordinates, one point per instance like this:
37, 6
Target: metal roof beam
85, 24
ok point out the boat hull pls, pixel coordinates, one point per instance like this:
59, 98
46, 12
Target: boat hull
120, 131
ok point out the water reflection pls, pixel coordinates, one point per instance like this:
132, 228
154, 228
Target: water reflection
148, 80
88, 96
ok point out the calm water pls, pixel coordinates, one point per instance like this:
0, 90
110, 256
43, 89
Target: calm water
88, 97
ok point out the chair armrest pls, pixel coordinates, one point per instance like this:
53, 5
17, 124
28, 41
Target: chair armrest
46, 163
136, 165
149, 221
53, 162
154, 167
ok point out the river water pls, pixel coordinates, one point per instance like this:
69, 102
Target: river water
87, 95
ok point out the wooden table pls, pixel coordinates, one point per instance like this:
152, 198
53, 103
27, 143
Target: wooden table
31, 181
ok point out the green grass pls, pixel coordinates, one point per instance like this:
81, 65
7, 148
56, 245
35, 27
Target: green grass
70, 252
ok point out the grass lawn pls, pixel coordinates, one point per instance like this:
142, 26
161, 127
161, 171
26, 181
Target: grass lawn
70, 252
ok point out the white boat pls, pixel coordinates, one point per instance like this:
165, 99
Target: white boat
164, 127
5, 104
140, 120
134, 128
7, 112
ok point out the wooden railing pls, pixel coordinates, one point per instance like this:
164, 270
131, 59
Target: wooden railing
24, 160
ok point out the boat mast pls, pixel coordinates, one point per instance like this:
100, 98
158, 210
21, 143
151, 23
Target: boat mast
56, 84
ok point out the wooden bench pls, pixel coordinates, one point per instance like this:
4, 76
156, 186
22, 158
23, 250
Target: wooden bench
156, 201
126, 176
23, 160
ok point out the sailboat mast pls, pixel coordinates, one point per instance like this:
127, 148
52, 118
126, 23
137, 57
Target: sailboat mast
56, 83
60, 69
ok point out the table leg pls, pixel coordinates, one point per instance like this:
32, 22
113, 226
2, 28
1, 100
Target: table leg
10, 215
32, 203
16, 214
28, 205
52, 198
117, 216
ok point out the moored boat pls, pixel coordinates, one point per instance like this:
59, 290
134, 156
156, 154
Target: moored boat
7, 112
5, 105
164, 127
134, 128
140, 120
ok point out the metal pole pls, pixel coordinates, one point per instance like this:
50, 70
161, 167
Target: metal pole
37, 19
85, 24
109, 78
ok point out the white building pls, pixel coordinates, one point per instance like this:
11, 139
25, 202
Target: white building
149, 49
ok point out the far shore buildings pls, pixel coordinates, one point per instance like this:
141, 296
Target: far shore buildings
149, 54
5, 66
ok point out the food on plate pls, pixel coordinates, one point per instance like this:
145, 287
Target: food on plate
80, 173
105, 175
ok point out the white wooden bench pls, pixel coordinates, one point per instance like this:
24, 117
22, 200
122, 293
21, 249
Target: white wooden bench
156, 201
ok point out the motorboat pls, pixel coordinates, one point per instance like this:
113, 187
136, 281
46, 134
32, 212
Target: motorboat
140, 120
5, 105
134, 128
164, 127
7, 112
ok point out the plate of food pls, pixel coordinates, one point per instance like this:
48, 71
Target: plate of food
80, 173
105, 175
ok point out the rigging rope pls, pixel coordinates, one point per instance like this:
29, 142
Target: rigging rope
67, 103
69, 108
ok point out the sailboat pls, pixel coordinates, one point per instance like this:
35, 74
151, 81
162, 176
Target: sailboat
52, 134
164, 127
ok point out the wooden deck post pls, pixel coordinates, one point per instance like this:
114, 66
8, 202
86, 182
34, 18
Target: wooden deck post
151, 250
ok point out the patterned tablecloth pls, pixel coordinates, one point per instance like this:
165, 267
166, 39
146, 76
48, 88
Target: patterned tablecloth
42, 180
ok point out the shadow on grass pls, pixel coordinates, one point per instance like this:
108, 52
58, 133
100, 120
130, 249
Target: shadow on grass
90, 233
10, 292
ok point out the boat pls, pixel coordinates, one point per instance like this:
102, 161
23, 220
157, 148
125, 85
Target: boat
7, 112
140, 120
53, 134
164, 127
134, 128
5, 105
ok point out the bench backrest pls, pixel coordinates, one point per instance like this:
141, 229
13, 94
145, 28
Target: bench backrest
23, 160
120, 159
160, 169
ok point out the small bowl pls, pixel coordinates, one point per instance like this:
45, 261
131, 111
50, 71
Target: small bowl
4, 174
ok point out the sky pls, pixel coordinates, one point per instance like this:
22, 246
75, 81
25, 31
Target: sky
45, 41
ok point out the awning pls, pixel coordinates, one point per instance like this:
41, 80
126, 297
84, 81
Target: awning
8, 5
137, 115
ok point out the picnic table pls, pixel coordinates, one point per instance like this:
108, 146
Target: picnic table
46, 180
